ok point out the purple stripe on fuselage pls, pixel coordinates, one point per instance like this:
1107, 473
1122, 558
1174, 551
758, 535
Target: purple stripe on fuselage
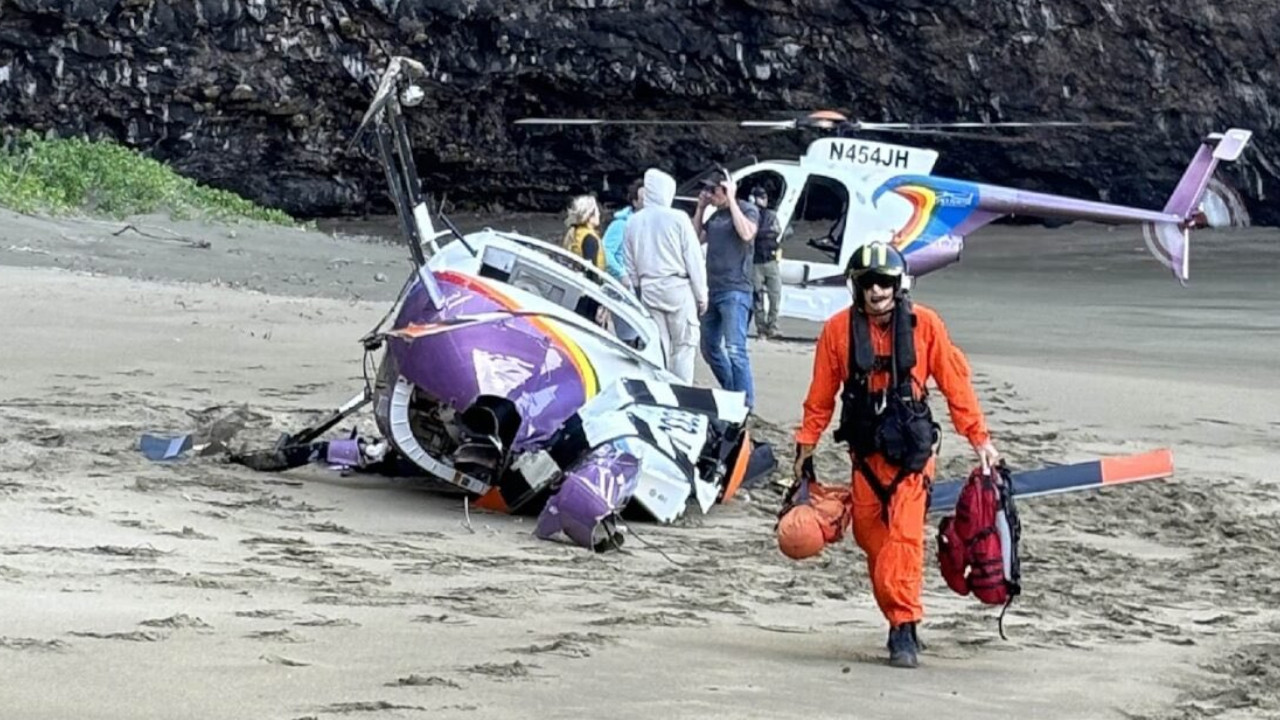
509, 358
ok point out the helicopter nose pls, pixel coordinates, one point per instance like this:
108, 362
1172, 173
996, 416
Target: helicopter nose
510, 359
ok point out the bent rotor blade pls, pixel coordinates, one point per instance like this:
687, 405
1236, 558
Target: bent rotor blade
1090, 475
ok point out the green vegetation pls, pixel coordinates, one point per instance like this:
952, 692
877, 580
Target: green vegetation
69, 175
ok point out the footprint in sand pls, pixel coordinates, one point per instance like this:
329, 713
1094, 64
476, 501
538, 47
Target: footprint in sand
416, 680
501, 671
571, 644
134, 636
284, 636
327, 622
443, 619
1246, 678
72, 510
187, 533
32, 644
366, 706
327, 526
181, 620
660, 618
281, 660
265, 614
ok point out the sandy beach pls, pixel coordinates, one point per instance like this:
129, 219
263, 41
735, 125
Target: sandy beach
136, 589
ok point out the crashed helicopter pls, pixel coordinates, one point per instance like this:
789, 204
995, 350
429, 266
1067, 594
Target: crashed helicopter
887, 192
498, 380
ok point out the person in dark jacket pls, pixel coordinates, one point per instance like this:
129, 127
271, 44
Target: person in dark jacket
727, 226
766, 281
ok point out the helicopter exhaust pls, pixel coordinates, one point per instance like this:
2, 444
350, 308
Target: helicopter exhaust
489, 426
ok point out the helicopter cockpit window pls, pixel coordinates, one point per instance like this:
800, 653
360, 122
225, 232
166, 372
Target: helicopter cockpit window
819, 217
773, 183
505, 266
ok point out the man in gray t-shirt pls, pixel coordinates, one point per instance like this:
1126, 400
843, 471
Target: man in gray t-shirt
729, 234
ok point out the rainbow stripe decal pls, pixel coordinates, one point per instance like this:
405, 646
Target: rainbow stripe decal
938, 205
581, 363
923, 200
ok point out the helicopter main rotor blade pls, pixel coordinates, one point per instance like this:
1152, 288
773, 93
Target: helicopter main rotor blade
819, 118
981, 125
779, 124
833, 121
1011, 139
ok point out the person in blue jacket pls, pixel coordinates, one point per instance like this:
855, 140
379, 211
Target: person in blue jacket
613, 235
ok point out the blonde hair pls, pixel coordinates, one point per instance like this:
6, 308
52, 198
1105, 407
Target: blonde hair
580, 212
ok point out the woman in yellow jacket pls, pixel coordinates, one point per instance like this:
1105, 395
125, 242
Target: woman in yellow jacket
583, 235
583, 239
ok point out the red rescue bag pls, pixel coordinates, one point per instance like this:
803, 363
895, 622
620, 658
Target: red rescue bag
978, 544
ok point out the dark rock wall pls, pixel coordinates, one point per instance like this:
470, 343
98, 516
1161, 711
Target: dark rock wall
261, 96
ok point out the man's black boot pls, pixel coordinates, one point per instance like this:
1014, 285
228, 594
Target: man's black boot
902, 646
915, 633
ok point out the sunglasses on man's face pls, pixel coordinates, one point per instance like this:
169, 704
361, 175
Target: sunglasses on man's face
869, 279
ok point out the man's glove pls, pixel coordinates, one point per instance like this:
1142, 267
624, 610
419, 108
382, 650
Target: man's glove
804, 461
798, 493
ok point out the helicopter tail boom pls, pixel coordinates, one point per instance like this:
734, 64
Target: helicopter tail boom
959, 207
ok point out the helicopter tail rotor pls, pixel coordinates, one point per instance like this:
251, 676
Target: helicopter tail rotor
1170, 242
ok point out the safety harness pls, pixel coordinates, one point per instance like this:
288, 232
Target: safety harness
892, 421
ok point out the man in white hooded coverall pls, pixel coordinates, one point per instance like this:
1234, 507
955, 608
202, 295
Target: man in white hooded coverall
666, 268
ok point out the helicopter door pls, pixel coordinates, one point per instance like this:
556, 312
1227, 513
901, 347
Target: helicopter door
812, 268
815, 230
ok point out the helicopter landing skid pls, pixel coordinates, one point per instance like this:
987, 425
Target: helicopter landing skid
297, 449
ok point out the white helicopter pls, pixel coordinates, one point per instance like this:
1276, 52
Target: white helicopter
886, 191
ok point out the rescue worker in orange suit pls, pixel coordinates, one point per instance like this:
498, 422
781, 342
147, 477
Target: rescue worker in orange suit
892, 438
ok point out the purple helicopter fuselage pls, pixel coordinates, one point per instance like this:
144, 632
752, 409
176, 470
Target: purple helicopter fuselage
528, 360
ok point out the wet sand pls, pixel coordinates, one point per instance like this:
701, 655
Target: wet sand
135, 589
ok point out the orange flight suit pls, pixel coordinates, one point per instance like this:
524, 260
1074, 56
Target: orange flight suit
895, 554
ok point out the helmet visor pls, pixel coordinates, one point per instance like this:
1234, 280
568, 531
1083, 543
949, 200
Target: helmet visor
868, 279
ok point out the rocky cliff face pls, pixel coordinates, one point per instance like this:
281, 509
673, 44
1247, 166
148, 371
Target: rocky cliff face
261, 96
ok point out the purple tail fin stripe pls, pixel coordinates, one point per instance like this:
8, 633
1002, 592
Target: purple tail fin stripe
1190, 189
